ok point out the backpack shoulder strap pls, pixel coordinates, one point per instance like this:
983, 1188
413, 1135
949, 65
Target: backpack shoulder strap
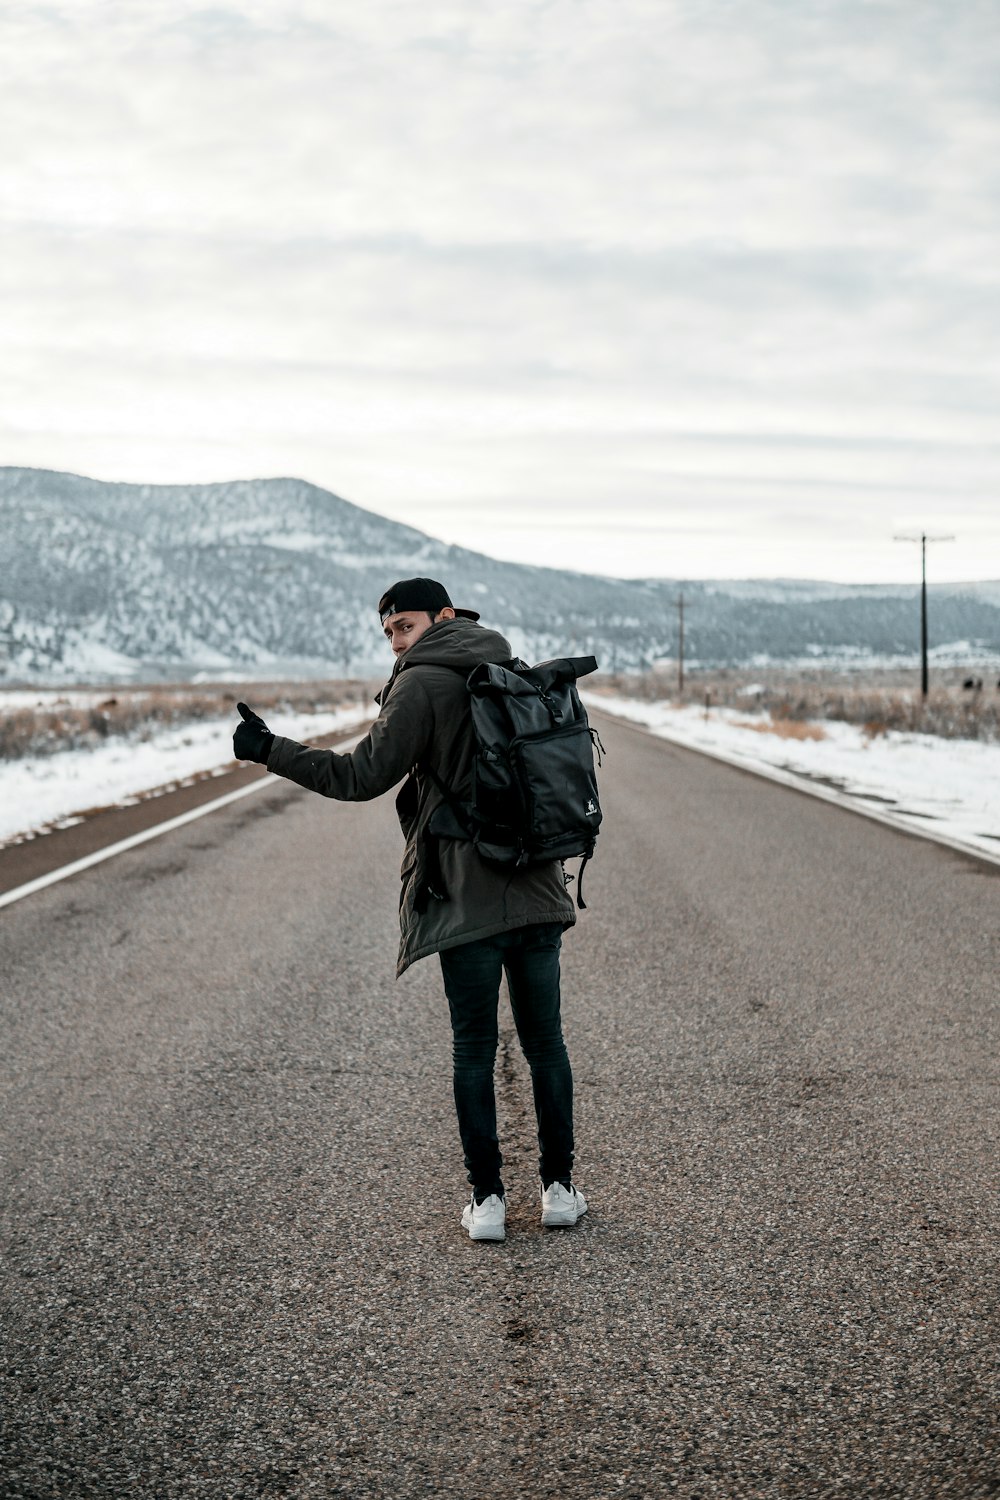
458, 809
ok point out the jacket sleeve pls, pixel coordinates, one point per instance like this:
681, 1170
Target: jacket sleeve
397, 740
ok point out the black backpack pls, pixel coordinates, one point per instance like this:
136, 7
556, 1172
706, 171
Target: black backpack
534, 783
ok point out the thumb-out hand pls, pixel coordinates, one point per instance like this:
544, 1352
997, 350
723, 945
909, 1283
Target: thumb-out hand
247, 714
252, 739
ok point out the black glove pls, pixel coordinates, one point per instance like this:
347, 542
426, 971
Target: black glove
253, 739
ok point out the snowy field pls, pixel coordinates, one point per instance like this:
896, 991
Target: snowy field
39, 793
952, 786
50, 698
949, 786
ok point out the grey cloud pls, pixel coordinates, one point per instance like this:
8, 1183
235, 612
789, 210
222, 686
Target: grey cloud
755, 241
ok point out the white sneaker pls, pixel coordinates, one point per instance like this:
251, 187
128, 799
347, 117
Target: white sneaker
485, 1221
562, 1206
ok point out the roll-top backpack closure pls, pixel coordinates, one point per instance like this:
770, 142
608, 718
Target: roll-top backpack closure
535, 792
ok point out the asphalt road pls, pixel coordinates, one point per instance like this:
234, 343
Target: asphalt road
233, 1265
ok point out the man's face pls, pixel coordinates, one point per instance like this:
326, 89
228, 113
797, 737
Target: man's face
402, 630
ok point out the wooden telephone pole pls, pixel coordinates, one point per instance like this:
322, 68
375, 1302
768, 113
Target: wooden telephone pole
923, 539
680, 645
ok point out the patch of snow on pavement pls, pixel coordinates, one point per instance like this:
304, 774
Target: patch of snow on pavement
43, 792
949, 786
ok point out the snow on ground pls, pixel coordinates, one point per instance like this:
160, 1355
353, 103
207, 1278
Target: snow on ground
43, 792
949, 786
49, 698
952, 786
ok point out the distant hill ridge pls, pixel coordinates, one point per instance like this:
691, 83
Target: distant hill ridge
277, 576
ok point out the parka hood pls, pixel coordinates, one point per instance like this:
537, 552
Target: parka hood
461, 644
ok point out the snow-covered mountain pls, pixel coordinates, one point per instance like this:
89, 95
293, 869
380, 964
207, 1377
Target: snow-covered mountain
277, 576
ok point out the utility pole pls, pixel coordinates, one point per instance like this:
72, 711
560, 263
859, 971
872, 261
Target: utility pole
923, 539
680, 645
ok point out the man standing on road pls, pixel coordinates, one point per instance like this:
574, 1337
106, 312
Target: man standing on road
482, 921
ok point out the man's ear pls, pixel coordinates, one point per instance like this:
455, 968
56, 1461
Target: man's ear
445, 614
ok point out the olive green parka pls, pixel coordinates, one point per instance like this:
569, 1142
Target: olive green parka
425, 723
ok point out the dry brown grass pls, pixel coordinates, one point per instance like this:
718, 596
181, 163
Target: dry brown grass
141, 712
788, 729
876, 700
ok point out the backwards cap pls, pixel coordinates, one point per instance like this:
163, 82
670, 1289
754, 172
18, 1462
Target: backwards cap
418, 594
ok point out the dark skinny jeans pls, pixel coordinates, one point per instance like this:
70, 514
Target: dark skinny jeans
472, 974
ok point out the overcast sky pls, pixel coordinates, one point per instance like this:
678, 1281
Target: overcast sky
646, 287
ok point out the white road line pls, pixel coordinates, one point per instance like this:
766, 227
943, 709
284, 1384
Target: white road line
813, 789
65, 871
